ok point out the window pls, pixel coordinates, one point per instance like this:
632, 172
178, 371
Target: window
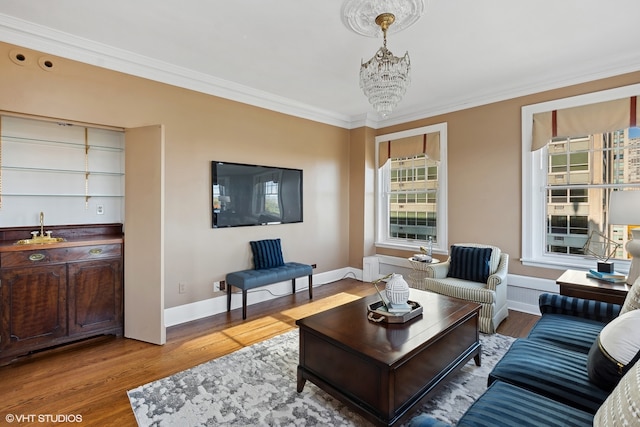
567, 183
411, 188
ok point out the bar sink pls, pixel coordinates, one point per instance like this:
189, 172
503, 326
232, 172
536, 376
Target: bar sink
40, 239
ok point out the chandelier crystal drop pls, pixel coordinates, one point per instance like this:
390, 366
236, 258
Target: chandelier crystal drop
384, 78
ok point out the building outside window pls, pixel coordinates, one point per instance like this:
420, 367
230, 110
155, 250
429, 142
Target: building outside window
411, 187
582, 171
412, 192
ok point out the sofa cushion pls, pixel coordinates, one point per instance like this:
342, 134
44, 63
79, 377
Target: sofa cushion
462, 289
632, 301
507, 405
424, 420
247, 279
622, 407
469, 263
267, 253
562, 330
555, 372
614, 350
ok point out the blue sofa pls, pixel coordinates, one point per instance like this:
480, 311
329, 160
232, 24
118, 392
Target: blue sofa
543, 379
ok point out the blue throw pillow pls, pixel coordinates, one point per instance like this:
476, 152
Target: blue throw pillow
469, 263
266, 254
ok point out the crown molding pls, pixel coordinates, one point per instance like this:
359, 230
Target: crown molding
32, 36
594, 70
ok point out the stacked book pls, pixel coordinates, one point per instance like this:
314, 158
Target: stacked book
614, 277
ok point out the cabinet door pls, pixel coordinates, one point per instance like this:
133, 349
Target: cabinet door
34, 306
95, 296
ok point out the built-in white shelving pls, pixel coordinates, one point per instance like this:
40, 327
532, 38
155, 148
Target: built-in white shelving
74, 172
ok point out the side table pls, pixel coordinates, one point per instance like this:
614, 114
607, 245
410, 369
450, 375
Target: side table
419, 271
575, 283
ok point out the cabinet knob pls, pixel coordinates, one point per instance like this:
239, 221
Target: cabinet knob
36, 257
96, 251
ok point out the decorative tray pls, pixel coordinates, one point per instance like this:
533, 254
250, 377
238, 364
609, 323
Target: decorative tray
422, 265
377, 312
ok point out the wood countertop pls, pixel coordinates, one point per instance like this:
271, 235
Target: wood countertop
93, 240
73, 235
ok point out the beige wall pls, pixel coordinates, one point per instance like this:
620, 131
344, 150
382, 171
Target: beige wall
361, 196
484, 152
484, 167
200, 128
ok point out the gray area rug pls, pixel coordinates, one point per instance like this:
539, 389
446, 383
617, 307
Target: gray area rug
256, 386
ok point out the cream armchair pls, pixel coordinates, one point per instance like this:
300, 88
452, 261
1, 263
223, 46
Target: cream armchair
462, 276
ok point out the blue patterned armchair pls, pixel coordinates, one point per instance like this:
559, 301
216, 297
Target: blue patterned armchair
473, 272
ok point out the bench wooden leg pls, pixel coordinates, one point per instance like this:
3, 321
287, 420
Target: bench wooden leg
244, 301
244, 304
311, 286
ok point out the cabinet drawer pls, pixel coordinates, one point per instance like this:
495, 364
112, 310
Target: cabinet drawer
84, 253
25, 258
59, 255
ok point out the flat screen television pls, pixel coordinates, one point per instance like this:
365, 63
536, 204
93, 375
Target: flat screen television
244, 195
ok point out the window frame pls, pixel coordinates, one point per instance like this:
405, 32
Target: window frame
534, 168
382, 207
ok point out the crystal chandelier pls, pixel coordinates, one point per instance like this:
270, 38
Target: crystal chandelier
384, 78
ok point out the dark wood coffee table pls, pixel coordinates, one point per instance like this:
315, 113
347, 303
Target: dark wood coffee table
383, 370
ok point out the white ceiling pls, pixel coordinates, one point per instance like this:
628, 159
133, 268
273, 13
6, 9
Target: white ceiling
296, 56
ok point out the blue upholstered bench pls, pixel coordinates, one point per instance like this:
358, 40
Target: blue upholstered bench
269, 268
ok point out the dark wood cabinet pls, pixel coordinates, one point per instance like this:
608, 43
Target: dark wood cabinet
34, 307
59, 293
95, 296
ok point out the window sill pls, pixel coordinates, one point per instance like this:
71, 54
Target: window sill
413, 247
621, 266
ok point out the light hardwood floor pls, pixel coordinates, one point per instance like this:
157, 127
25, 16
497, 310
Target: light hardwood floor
90, 378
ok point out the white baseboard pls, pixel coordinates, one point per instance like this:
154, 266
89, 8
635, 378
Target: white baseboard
523, 290
218, 304
523, 308
536, 283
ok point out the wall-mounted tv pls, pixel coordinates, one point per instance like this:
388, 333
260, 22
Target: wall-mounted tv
244, 195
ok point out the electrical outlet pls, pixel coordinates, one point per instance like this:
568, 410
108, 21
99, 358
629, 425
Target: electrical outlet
223, 285
182, 288
100, 210
314, 265
216, 286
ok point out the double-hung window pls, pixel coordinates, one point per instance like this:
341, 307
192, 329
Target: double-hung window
576, 151
411, 188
